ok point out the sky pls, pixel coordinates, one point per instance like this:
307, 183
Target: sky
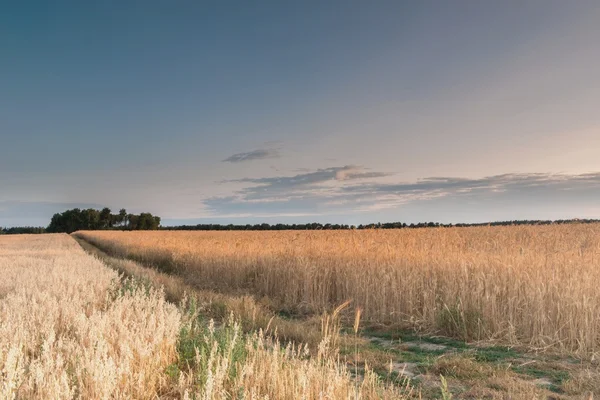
280, 111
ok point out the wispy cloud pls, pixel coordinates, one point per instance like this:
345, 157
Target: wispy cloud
351, 188
320, 176
259, 154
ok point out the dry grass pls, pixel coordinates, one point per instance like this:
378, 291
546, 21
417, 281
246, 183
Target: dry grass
70, 327
66, 333
532, 285
252, 314
259, 367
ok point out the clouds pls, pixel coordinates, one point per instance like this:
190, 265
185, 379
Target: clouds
356, 194
320, 176
259, 154
354, 189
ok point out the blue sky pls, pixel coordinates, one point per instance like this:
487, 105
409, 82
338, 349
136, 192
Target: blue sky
340, 111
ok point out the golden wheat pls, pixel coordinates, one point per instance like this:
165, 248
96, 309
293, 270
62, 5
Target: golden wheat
71, 328
64, 335
533, 285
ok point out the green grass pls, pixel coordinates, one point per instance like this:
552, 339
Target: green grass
394, 344
494, 354
449, 342
410, 336
555, 375
130, 285
196, 341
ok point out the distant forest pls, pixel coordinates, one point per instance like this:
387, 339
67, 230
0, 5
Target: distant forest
91, 219
379, 225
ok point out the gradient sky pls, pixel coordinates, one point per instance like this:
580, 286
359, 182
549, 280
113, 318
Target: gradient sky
280, 111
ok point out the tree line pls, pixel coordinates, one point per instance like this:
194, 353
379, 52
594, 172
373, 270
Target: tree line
91, 219
19, 230
378, 225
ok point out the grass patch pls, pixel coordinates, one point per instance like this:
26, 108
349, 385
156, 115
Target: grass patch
423, 351
410, 336
131, 286
217, 310
456, 344
545, 371
460, 322
555, 375
461, 367
201, 343
495, 354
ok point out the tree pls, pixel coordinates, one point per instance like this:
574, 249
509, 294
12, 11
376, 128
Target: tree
106, 218
132, 221
90, 219
123, 216
119, 219
147, 222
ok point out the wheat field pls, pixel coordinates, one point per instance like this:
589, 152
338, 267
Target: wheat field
530, 285
64, 335
72, 328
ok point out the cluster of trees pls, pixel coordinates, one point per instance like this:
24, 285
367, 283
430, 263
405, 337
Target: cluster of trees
379, 225
91, 219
